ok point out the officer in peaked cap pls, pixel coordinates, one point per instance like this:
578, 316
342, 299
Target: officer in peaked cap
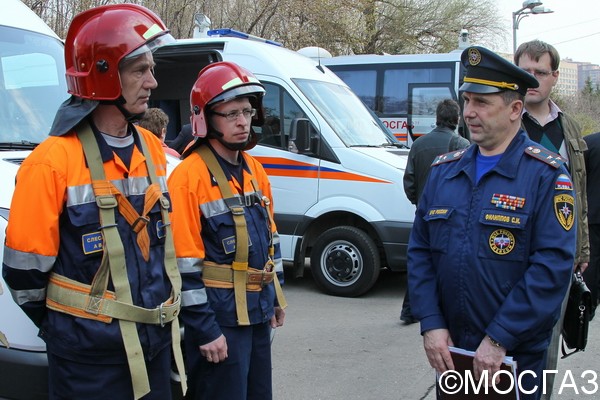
491, 249
487, 72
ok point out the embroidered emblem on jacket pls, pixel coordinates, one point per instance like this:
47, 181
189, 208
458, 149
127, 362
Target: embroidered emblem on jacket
502, 241
564, 208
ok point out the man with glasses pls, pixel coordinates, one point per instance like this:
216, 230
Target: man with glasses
226, 243
546, 124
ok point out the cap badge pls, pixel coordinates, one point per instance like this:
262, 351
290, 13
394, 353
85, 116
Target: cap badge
474, 56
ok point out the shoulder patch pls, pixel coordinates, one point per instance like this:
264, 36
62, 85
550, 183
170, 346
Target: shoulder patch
545, 155
448, 157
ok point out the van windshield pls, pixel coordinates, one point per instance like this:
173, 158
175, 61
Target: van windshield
32, 85
347, 115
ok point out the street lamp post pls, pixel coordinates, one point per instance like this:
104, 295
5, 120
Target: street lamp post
529, 7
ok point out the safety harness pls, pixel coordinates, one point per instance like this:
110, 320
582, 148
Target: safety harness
95, 301
238, 275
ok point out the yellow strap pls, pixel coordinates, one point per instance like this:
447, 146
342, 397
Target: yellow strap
105, 188
501, 85
114, 260
170, 267
71, 297
114, 257
240, 264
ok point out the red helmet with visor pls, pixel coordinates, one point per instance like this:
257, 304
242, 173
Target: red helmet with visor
100, 38
223, 81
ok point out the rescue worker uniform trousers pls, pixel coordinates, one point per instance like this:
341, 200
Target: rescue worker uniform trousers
70, 380
244, 375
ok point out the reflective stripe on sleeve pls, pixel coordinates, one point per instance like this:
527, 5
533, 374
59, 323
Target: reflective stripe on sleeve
20, 260
25, 296
189, 265
278, 265
193, 297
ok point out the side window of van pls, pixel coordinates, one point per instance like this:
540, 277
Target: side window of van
395, 85
280, 110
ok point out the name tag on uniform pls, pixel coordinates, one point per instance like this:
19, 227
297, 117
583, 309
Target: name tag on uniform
508, 219
92, 242
229, 244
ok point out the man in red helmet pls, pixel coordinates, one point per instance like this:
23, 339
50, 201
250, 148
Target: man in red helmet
88, 253
226, 242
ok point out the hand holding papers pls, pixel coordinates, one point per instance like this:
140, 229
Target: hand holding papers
461, 384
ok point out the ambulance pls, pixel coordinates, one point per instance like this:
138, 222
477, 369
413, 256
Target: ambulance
32, 86
335, 170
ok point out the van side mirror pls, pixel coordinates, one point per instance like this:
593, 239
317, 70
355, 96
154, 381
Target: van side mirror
300, 134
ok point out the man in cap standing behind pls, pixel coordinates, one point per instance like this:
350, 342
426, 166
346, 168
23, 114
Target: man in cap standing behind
497, 288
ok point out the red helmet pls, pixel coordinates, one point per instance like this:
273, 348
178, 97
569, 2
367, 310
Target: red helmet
99, 38
223, 81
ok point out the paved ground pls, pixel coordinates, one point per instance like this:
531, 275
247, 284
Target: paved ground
334, 348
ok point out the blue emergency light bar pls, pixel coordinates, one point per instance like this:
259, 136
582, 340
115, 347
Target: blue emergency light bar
228, 32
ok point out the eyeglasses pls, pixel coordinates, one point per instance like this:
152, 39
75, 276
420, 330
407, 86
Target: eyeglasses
235, 114
539, 73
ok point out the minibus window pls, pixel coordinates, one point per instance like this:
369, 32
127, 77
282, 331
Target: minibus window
32, 85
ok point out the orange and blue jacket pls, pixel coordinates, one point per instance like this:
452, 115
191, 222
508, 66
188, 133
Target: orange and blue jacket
54, 227
203, 229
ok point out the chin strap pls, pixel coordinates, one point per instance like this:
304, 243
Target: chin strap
119, 103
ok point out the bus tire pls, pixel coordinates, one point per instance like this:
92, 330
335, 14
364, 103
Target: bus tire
345, 261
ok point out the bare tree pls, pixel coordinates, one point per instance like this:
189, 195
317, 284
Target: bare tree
341, 26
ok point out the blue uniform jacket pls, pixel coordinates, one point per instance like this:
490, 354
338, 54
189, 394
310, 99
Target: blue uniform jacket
482, 262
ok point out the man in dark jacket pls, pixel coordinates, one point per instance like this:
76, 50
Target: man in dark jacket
424, 150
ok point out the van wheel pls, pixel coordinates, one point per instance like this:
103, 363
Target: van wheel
345, 261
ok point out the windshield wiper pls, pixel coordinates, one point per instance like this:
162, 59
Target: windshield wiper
22, 145
398, 145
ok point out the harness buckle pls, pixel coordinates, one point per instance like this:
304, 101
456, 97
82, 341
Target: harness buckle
263, 278
106, 201
141, 219
161, 315
164, 203
237, 210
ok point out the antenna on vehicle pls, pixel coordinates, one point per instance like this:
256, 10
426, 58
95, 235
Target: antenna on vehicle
316, 53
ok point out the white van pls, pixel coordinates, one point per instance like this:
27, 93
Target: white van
32, 86
403, 90
336, 173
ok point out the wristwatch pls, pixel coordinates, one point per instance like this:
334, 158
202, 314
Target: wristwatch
495, 343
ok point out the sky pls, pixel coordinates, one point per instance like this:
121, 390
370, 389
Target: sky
573, 28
